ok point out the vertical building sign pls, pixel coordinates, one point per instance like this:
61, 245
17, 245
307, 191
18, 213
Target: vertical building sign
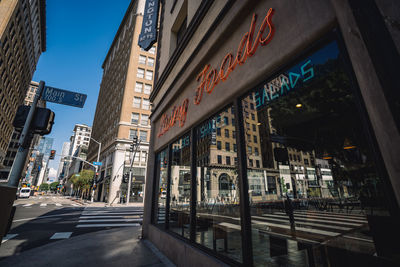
148, 35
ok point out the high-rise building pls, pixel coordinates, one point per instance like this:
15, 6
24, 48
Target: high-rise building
22, 40
13, 145
63, 161
81, 137
123, 110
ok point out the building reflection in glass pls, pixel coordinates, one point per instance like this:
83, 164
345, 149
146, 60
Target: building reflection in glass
179, 218
305, 142
162, 169
217, 210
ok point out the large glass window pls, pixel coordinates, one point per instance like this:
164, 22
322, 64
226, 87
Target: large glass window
161, 174
179, 217
217, 210
327, 190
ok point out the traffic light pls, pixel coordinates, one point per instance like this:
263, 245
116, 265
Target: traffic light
52, 154
132, 147
125, 178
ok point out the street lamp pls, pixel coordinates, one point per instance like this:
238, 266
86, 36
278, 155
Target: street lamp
96, 167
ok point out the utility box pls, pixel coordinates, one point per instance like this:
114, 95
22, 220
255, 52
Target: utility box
7, 197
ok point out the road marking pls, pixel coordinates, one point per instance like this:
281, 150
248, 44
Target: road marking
43, 205
75, 205
58, 204
99, 217
110, 220
112, 213
27, 205
61, 235
107, 225
43, 217
8, 237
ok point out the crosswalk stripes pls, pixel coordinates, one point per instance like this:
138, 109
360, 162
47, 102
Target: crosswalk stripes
43, 205
314, 224
110, 217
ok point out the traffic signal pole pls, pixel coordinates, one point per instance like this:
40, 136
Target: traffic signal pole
7, 193
24, 142
135, 146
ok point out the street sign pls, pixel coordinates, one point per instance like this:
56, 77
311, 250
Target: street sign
148, 35
97, 163
63, 97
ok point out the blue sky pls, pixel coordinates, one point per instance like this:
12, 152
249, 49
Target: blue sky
79, 34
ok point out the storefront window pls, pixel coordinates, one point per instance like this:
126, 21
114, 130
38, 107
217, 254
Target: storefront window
217, 210
311, 175
162, 164
179, 217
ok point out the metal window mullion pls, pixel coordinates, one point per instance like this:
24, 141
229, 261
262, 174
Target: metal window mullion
245, 219
193, 193
167, 201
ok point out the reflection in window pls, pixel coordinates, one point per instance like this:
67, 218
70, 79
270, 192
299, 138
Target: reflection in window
310, 111
217, 211
162, 186
179, 218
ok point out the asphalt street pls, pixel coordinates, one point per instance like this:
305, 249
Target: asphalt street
41, 220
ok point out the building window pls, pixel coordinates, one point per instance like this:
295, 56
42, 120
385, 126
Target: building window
138, 87
255, 139
219, 145
226, 121
152, 50
227, 146
142, 59
180, 192
144, 119
132, 134
254, 128
140, 73
226, 133
256, 151
161, 194
136, 102
150, 62
135, 118
143, 136
217, 184
144, 157
146, 104
219, 131
147, 89
149, 75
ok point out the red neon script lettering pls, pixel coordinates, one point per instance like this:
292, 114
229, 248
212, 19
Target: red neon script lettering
178, 115
209, 77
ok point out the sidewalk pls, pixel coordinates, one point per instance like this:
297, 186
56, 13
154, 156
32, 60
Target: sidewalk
115, 247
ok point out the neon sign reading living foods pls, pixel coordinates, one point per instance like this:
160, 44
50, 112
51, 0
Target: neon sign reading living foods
210, 77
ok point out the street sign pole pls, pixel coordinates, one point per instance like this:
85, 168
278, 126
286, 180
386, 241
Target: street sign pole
24, 142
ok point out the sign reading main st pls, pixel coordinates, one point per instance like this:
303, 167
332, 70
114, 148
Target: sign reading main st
63, 97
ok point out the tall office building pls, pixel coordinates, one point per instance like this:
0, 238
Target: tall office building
123, 110
81, 137
13, 145
22, 40
63, 161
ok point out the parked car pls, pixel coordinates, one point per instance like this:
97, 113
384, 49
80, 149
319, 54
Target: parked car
24, 192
